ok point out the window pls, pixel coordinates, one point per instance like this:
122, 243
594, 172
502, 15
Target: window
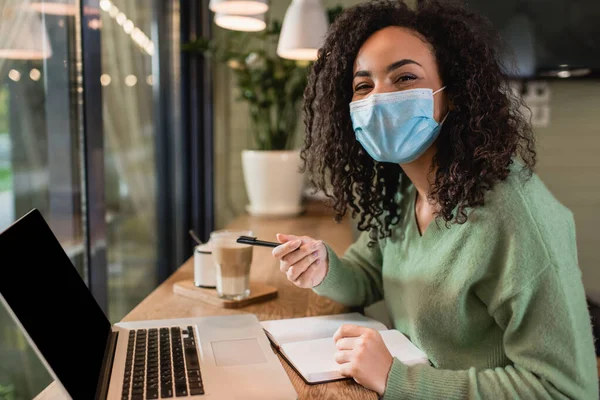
50, 90
40, 156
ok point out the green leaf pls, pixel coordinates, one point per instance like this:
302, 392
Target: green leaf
273, 87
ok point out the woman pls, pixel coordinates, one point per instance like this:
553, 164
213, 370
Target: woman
409, 117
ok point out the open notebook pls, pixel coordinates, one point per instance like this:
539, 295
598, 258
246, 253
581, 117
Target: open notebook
307, 343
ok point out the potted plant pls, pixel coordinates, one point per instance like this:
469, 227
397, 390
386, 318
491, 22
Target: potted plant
273, 88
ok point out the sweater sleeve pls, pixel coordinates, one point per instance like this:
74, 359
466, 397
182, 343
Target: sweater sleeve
547, 336
355, 279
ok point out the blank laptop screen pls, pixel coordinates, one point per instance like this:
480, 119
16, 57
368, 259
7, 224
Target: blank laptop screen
53, 303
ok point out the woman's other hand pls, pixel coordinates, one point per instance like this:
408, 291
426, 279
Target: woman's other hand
303, 259
363, 355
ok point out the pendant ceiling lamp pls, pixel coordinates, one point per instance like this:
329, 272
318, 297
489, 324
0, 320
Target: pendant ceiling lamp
303, 30
23, 36
55, 7
239, 7
245, 23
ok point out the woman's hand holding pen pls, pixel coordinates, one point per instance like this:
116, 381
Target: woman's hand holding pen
303, 259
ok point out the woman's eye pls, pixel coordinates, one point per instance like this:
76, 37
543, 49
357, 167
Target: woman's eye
361, 87
405, 78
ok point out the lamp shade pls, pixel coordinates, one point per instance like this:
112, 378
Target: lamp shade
239, 7
245, 23
23, 36
55, 7
303, 30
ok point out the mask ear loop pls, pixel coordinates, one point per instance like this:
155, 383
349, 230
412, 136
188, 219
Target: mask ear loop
446, 116
439, 90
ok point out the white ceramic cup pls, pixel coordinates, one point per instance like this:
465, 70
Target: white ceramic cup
205, 272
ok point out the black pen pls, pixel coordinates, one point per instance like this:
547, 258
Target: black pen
255, 242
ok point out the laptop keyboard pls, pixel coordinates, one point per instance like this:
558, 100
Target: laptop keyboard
162, 363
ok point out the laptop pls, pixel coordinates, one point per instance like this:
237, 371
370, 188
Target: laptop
223, 357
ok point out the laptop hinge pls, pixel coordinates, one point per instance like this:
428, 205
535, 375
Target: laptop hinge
107, 363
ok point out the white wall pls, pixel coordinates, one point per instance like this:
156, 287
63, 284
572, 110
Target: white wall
569, 164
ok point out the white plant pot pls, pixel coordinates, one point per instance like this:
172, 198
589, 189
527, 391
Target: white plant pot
273, 182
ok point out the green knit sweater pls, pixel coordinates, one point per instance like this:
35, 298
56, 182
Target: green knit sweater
496, 303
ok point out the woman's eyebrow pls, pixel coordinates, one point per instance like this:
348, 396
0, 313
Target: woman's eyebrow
363, 73
390, 68
401, 63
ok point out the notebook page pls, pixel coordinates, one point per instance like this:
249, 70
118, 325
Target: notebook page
314, 359
308, 328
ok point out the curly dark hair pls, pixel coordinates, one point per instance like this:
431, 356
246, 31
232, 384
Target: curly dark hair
481, 136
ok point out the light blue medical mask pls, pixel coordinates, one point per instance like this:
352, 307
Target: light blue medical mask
396, 127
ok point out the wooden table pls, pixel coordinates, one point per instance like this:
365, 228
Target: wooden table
291, 301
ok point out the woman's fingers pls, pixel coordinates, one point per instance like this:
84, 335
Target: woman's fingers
298, 268
292, 251
286, 248
283, 238
308, 278
343, 356
301, 252
349, 331
302, 259
348, 369
349, 343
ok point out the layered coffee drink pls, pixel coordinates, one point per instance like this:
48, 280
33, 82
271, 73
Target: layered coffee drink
232, 261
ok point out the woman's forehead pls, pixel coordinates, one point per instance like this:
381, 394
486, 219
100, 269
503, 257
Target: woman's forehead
389, 45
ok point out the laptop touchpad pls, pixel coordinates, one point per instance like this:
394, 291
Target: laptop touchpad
237, 352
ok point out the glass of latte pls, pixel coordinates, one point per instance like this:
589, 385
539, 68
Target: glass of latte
232, 261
